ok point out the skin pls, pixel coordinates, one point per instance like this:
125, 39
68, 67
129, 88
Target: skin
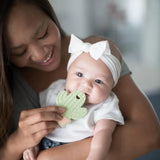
139, 135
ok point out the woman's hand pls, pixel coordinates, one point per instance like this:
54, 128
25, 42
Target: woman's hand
36, 123
33, 126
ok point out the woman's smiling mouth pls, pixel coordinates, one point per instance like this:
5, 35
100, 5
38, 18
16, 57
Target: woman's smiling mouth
48, 60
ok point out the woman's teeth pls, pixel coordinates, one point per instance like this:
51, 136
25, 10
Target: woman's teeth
48, 58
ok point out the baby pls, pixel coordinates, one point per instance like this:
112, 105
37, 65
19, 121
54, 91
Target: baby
93, 70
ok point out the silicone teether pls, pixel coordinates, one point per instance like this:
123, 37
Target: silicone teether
73, 103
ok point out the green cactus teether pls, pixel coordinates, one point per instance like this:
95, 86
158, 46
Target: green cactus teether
73, 103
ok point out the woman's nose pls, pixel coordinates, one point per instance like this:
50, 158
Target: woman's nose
38, 53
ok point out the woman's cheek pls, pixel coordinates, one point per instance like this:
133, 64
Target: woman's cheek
19, 63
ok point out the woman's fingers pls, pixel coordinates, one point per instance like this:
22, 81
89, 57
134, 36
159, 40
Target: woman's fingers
39, 117
39, 121
39, 135
30, 112
36, 123
38, 127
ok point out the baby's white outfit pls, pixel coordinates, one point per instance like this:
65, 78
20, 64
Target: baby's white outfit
81, 128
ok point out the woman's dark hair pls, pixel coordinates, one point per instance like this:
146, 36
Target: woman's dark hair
6, 102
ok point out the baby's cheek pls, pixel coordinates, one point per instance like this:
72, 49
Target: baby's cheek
71, 84
102, 96
95, 97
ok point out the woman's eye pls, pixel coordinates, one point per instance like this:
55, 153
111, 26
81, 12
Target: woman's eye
44, 35
99, 81
19, 54
79, 74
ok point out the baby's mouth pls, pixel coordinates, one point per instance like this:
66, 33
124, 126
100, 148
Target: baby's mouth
87, 96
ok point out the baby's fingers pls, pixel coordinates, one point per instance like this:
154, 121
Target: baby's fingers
26, 155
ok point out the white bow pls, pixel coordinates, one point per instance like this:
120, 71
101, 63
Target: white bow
95, 50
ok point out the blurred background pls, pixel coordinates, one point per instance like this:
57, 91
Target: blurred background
133, 25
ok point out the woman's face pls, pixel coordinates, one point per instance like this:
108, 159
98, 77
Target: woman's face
33, 38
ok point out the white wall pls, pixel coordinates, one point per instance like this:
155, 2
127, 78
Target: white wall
73, 16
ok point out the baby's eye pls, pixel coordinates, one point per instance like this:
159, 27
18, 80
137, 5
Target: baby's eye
99, 81
79, 74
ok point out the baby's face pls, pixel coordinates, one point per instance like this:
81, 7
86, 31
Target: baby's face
91, 77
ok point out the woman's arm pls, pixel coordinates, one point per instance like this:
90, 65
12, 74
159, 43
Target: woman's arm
139, 135
141, 132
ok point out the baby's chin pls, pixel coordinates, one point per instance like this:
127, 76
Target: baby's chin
92, 102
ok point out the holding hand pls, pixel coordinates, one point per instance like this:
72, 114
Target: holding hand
36, 123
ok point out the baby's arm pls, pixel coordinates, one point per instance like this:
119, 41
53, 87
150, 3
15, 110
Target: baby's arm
102, 139
31, 153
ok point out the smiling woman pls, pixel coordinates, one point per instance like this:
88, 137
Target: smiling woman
37, 46
33, 54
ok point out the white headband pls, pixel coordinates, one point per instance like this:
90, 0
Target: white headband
97, 50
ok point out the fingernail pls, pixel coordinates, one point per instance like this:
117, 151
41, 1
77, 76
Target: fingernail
61, 109
59, 117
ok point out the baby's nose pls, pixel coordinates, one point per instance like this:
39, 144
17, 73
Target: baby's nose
87, 84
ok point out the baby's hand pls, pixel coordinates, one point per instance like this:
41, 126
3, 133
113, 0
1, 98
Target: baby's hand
31, 153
